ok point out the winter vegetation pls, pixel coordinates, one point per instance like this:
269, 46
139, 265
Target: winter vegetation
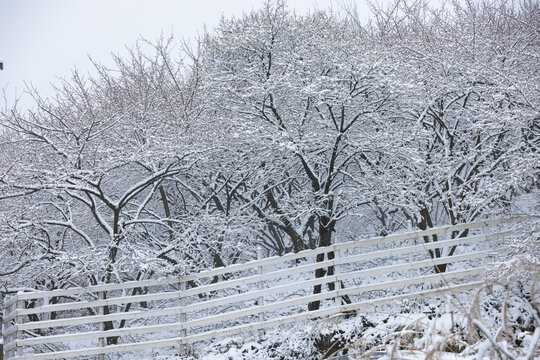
287, 133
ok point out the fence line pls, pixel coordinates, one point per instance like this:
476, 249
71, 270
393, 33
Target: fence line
275, 259
194, 310
268, 276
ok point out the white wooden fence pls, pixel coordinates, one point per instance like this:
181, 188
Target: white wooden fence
254, 296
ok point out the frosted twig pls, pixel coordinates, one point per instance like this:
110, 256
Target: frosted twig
496, 346
534, 342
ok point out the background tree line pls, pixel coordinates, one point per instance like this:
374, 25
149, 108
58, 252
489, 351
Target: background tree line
275, 130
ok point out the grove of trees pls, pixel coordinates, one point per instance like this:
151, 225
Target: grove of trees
275, 130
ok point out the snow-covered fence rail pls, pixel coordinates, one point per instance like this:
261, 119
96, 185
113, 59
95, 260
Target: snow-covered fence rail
256, 295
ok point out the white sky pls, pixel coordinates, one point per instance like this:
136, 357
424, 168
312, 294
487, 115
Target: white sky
41, 40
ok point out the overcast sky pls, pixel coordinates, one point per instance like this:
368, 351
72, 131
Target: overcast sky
42, 40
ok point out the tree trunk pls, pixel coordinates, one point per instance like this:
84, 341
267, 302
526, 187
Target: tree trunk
325, 239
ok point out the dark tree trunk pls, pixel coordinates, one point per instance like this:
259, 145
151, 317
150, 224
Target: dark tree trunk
325, 239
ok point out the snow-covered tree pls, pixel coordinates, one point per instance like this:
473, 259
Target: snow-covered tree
472, 78
86, 183
277, 130
316, 109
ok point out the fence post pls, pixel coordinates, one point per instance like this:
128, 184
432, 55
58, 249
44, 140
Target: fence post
101, 340
412, 288
183, 317
9, 340
20, 321
12, 337
5, 325
260, 287
46, 315
337, 283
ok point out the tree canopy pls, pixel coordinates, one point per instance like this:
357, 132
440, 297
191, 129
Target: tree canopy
276, 130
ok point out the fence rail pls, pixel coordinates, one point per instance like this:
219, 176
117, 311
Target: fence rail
256, 295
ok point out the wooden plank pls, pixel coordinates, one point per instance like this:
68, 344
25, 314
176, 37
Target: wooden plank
389, 252
10, 330
12, 315
10, 346
247, 311
99, 350
275, 259
19, 320
98, 288
327, 311
414, 248
310, 283
410, 296
183, 315
5, 325
310, 298
101, 326
358, 243
99, 303
432, 231
169, 327
256, 278
248, 327
10, 300
250, 295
